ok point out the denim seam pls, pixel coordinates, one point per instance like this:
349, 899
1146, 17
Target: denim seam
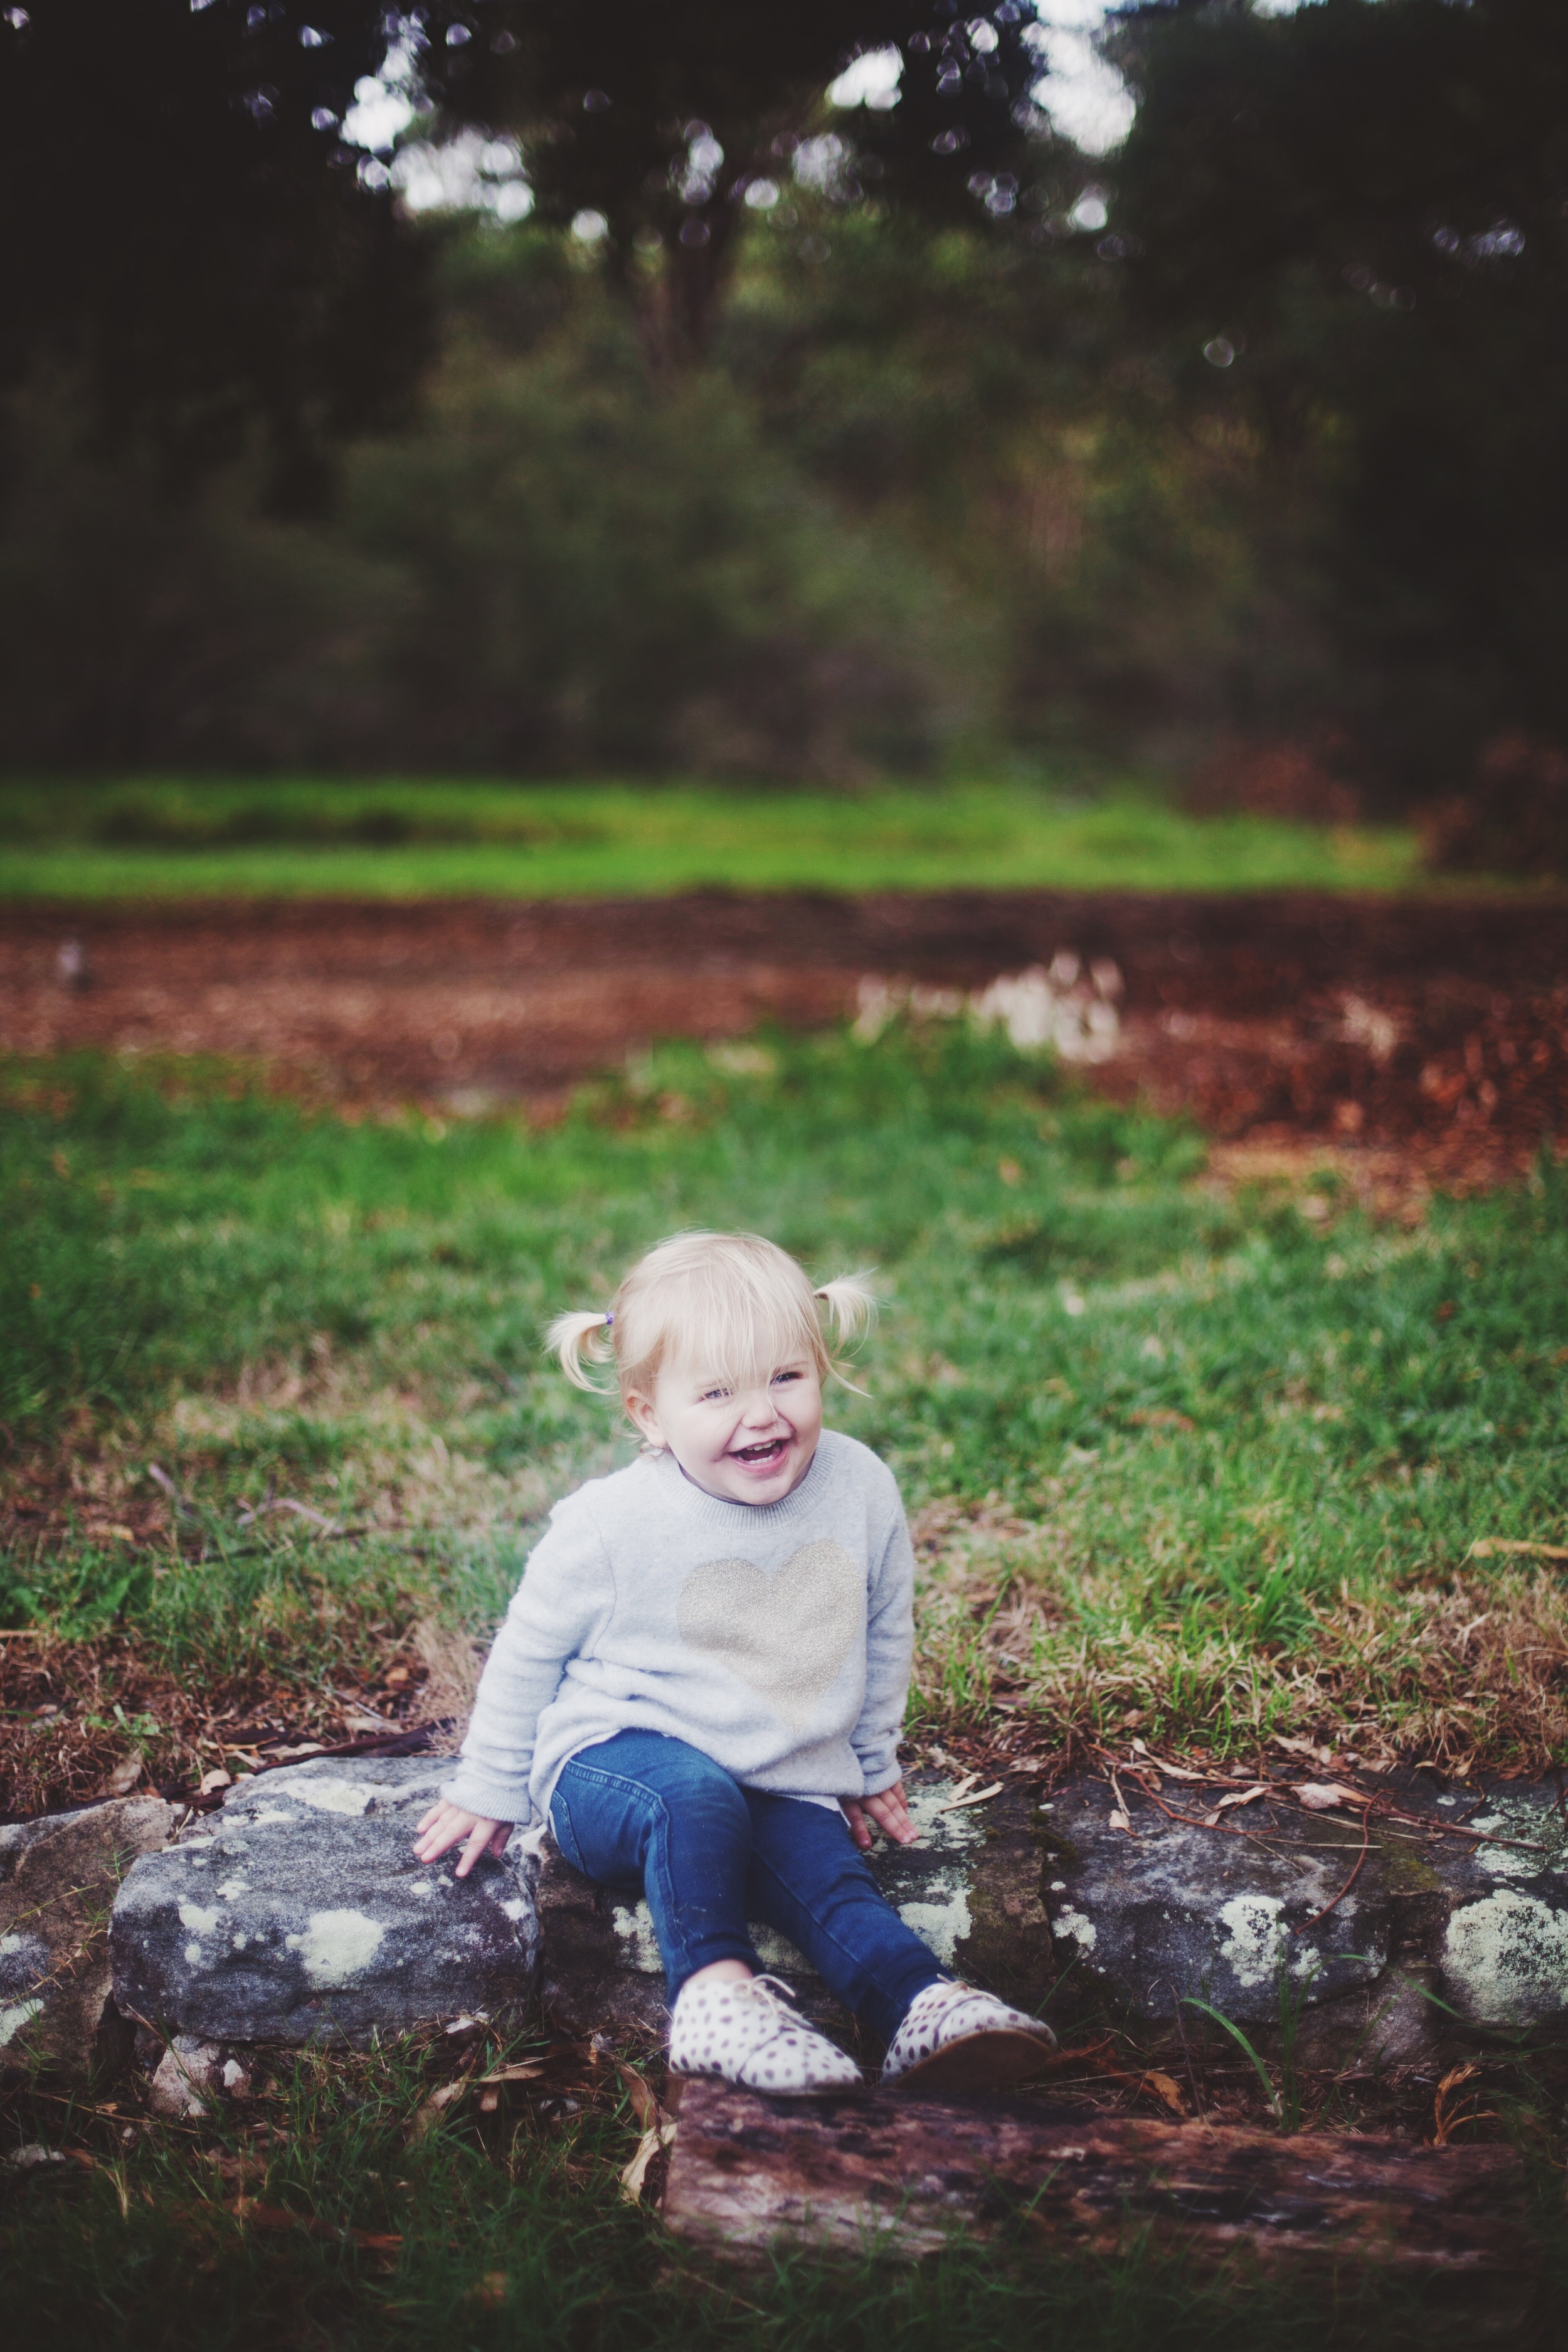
558, 1795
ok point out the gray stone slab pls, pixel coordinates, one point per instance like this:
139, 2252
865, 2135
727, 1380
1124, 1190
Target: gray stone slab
59, 1877
1442, 1937
299, 1913
1170, 1912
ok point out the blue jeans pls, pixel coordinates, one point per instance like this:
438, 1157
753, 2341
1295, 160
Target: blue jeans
643, 1813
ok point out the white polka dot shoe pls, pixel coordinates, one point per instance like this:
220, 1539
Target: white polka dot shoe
746, 2033
956, 2039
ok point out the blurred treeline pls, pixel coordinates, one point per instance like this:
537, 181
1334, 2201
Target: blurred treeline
897, 519
1238, 454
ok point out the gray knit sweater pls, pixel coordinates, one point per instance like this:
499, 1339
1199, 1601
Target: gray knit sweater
776, 1638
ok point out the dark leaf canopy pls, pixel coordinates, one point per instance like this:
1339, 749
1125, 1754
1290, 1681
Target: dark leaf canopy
187, 227
610, 98
192, 234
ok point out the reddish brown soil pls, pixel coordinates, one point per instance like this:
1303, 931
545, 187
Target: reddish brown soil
1414, 1039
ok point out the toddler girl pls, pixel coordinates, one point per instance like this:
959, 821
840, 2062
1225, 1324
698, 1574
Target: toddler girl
701, 1677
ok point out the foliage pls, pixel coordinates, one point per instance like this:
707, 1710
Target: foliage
557, 572
861, 437
1354, 213
664, 126
199, 246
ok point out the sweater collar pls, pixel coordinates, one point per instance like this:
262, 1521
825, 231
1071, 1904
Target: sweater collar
712, 1511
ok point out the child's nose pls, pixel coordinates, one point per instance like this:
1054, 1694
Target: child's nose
759, 1408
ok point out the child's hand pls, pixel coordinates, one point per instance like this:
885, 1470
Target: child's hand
889, 1809
448, 1825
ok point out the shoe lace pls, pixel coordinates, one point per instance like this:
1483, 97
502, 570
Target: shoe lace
776, 1996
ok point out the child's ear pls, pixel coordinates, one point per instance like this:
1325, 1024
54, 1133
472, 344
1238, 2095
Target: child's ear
641, 1410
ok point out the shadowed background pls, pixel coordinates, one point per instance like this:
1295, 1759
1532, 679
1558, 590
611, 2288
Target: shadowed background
543, 389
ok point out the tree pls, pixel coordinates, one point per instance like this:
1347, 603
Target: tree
665, 121
1348, 226
190, 236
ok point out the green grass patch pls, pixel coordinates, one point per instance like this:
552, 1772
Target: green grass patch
1210, 1465
1219, 1462
406, 840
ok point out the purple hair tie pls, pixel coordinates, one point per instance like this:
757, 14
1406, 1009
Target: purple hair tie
609, 1319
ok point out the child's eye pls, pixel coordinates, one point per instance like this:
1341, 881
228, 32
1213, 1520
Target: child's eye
712, 1396
780, 1378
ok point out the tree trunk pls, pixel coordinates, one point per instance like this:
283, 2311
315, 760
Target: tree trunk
906, 2175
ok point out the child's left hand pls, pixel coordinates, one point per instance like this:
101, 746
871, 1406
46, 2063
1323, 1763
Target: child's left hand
444, 1826
888, 1811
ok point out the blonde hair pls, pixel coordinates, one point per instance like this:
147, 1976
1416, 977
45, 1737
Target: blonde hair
733, 1303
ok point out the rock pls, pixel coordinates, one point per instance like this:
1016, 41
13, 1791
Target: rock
57, 1878
1168, 1913
299, 1913
1049, 1905
192, 2077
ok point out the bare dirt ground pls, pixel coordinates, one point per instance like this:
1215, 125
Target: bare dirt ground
1409, 1043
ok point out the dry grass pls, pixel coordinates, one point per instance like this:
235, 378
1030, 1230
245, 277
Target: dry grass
1013, 1625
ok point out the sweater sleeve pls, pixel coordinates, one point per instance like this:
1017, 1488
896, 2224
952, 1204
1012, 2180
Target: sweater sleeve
566, 1593
889, 1654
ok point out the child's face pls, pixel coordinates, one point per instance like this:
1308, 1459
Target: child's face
744, 1445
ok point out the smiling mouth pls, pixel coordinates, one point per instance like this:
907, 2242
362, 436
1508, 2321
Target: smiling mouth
771, 1449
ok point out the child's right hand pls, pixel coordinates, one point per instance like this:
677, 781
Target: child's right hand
446, 1826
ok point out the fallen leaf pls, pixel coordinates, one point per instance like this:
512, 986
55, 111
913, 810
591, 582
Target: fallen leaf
1117, 1819
657, 2132
644, 2107
1244, 1797
124, 1777
1489, 1547
1305, 1748
490, 2292
653, 2141
980, 1796
527, 2073
217, 1779
430, 2111
1322, 1796
1165, 2088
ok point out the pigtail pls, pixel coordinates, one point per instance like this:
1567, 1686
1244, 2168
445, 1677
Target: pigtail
852, 1304
574, 1336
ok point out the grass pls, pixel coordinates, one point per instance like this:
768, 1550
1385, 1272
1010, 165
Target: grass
1219, 1462
363, 2232
153, 839
1211, 1464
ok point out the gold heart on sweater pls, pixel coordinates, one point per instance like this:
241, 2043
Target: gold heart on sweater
786, 1636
